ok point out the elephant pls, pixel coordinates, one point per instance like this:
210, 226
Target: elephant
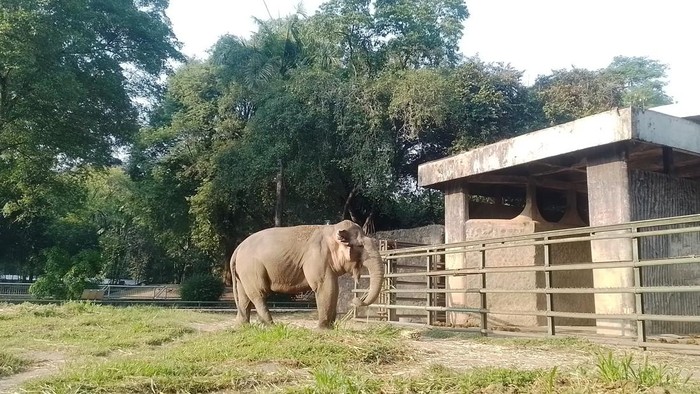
295, 259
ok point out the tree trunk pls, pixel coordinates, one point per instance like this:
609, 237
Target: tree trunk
368, 227
279, 206
346, 209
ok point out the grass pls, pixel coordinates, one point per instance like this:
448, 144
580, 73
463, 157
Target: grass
10, 364
437, 379
518, 343
151, 350
646, 375
90, 329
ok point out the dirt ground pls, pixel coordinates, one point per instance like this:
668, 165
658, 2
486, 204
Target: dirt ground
45, 363
462, 354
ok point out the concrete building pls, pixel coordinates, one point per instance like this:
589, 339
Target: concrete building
614, 167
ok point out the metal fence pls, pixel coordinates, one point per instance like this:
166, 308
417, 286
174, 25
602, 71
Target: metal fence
12, 290
437, 289
159, 295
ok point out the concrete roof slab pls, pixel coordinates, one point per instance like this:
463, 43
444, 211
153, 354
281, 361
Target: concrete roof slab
599, 130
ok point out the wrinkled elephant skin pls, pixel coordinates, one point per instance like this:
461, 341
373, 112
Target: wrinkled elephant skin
301, 258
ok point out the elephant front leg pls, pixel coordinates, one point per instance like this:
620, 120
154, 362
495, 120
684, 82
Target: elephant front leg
326, 302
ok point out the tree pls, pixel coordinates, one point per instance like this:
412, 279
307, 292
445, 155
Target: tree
421, 33
642, 79
70, 75
339, 108
567, 95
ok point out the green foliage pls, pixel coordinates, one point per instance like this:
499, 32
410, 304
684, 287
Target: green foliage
570, 94
71, 74
65, 95
642, 79
66, 276
202, 287
492, 104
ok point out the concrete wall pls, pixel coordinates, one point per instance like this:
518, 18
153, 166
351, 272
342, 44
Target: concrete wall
516, 256
569, 253
656, 195
563, 254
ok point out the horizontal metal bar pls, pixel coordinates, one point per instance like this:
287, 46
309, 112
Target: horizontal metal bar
489, 244
639, 225
578, 315
558, 290
424, 308
539, 268
536, 239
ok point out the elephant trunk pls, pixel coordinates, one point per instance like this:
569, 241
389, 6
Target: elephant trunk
375, 266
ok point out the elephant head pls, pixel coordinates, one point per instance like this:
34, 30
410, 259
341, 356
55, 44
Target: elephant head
359, 250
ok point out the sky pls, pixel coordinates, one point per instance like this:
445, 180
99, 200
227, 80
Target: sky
534, 36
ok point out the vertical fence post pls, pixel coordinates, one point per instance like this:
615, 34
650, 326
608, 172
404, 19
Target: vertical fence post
354, 294
482, 293
639, 304
391, 297
384, 296
429, 294
549, 301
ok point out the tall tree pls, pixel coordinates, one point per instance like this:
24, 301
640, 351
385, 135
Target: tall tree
69, 72
628, 81
71, 75
643, 80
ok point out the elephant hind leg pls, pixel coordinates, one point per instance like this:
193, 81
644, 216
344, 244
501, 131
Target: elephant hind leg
261, 309
257, 297
243, 307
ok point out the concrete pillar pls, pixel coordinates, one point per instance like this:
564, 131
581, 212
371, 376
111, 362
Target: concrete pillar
456, 212
571, 216
531, 211
609, 203
456, 216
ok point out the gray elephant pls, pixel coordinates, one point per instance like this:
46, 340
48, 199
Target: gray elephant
296, 259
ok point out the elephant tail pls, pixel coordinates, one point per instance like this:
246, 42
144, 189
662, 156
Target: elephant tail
233, 277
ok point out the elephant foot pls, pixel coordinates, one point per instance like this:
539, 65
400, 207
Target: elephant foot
325, 325
240, 321
240, 324
266, 323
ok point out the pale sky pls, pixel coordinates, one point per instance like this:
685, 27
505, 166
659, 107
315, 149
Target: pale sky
535, 36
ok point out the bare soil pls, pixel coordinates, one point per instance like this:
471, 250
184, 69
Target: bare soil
44, 364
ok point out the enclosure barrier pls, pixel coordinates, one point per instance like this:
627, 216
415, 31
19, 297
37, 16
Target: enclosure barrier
126, 295
633, 232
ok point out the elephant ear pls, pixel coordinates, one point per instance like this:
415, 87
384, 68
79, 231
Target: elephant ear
344, 237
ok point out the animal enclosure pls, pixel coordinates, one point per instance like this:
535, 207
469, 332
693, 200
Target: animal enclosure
482, 307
